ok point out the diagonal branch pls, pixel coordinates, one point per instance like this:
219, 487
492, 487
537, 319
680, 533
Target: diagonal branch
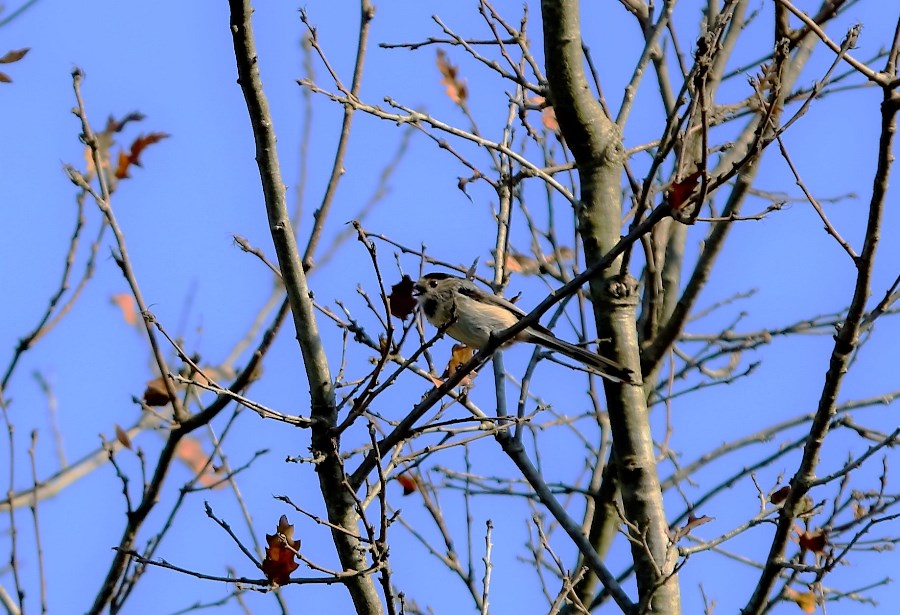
845, 343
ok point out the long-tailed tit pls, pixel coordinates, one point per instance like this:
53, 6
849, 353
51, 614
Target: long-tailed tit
470, 315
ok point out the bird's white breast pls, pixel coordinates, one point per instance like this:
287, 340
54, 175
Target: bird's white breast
475, 321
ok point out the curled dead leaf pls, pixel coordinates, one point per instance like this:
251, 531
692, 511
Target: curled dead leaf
678, 196
409, 482
122, 437
125, 303
8, 58
401, 300
459, 356
692, 523
133, 157
156, 394
780, 495
805, 600
114, 125
813, 541
455, 87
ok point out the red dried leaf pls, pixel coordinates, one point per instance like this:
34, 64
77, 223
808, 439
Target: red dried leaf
401, 300
279, 562
780, 496
122, 165
133, 157
680, 191
4, 78
142, 142
409, 483
813, 541
695, 522
13, 56
692, 523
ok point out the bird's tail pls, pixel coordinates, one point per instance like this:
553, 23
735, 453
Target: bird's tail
605, 367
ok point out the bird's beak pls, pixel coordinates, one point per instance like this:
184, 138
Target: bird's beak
418, 289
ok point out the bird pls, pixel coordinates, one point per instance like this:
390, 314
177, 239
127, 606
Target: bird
470, 315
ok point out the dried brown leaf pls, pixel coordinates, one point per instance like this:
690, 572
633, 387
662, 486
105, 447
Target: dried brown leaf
156, 394
409, 482
14, 56
114, 125
459, 356
779, 496
813, 541
690, 525
805, 600
122, 437
455, 87
279, 562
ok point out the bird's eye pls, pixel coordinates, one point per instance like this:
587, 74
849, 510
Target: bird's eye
432, 283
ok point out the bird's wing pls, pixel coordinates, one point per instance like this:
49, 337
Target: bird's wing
473, 292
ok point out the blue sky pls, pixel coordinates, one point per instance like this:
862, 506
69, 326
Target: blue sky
174, 63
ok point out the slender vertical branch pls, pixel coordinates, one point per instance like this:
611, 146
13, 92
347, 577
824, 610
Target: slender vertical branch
13, 533
367, 13
39, 547
339, 502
